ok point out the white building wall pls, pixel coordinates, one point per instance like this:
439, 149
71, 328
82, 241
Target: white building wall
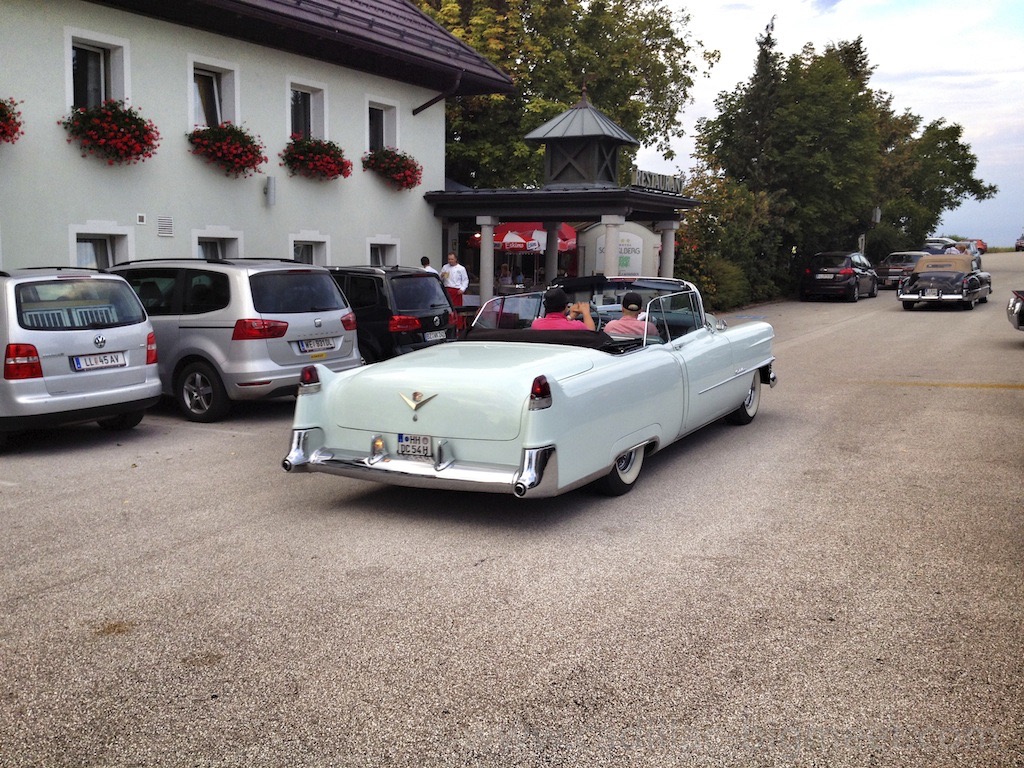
49, 193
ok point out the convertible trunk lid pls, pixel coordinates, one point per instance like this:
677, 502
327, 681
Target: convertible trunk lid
476, 390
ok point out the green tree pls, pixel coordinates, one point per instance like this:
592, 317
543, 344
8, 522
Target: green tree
632, 55
825, 150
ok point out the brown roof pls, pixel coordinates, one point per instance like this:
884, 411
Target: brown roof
391, 38
942, 262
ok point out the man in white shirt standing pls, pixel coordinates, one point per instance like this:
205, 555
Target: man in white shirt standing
455, 278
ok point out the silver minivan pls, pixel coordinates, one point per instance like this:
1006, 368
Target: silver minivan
77, 347
240, 329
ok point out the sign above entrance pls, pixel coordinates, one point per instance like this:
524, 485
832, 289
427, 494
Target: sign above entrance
658, 182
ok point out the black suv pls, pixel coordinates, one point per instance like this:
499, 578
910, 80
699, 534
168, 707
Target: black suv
398, 309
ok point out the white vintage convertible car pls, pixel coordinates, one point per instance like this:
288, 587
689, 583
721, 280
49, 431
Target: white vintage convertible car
535, 413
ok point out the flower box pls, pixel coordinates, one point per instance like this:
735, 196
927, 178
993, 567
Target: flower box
315, 159
232, 147
113, 131
397, 168
10, 121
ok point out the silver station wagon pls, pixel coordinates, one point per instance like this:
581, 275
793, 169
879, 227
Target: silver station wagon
241, 329
77, 347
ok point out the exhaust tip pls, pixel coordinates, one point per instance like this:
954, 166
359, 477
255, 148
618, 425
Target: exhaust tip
286, 465
519, 489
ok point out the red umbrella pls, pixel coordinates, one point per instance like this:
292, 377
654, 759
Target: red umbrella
531, 236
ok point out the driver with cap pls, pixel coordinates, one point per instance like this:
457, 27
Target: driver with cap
630, 324
556, 304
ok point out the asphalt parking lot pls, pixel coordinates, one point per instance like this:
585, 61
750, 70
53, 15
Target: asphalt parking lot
838, 583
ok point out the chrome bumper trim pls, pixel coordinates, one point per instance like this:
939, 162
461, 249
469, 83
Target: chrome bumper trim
535, 477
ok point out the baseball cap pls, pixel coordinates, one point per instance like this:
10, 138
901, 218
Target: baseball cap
555, 300
632, 302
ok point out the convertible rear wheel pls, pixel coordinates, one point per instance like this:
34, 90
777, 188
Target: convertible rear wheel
748, 408
623, 473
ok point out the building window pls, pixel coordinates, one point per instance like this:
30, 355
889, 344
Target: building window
302, 117
213, 94
383, 254
217, 243
206, 97
100, 244
93, 252
382, 126
90, 68
306, 110
310, 253
96, 68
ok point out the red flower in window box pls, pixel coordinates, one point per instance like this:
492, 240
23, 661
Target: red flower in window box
10, 121
398, 168
315, 159
232, 147
114, 131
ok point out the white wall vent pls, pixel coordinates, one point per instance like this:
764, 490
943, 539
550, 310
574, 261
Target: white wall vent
164, 226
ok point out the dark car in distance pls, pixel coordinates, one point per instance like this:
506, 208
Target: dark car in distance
896, 266
398, 309
944, 278
844, 274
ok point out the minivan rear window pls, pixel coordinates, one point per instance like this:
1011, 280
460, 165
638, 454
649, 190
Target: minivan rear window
415, 292
290, 292
70, 303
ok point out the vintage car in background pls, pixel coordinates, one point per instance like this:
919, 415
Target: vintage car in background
1015, 310
1019, 245
535, 413
896, 266
945, 279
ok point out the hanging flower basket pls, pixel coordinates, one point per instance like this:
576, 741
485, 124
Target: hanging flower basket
113, 131
232, 147
399, 169
315, 159
10, 121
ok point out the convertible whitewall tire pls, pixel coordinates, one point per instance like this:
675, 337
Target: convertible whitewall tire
624, 473
748, 408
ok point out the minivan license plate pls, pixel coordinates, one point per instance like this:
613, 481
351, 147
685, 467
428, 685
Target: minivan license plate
433, 335
413, 445
92, 362
312, 345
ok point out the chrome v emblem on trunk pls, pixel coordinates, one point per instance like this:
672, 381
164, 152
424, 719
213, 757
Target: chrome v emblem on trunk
417, 400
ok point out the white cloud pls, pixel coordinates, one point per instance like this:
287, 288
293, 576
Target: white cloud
937, 58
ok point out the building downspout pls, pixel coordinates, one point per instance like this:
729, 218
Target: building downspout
450, 92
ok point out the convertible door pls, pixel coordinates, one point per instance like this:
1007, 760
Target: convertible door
704, 354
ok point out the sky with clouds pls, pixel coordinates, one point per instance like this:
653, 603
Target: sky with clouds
950, 59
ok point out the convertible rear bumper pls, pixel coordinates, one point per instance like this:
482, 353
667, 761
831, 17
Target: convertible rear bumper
535, 477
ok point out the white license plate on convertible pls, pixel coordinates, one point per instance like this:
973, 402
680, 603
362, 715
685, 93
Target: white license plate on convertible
312, 345
413, 445
92, 362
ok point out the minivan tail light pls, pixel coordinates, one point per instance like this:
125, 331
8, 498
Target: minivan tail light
403, 324
846, 271
540, 394
249, 329
348, 322
151, 349
21, 361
